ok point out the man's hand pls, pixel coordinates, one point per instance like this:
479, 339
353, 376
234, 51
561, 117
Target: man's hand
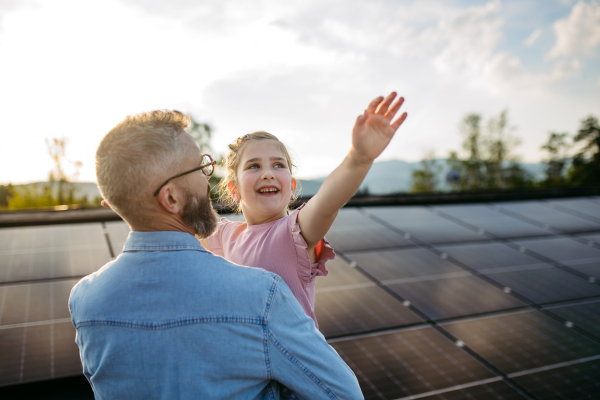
374, 129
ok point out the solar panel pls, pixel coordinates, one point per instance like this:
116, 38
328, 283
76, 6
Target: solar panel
409, 362
344, 311
352, 230
573, 382
35, 302
578, 206
118, 231
487, 255
346, 302
522, 341
560, 249
403, 264
37, 352
491, 221
497, 390
544, 283
340, 273
453, 297
587, 266
583, 315
424, 224
593, 238
546, 216
51, 252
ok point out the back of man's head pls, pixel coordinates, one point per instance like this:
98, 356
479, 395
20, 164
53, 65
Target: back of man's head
135, 156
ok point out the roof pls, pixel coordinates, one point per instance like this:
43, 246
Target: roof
482, 300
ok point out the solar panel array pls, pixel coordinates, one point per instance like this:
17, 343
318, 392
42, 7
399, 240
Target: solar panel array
480, 301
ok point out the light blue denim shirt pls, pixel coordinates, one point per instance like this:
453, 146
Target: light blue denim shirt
169, 320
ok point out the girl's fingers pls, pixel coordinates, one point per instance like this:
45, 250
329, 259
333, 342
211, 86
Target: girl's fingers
394, 109
373, 105
383, 107
396, 124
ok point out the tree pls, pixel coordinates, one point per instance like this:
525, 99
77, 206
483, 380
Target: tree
201, 132
6, 193
65, 190
499, 143
470, 128
557, 148
586, 163
426, 180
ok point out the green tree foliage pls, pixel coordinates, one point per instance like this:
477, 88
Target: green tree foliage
557, 148
6, 193
201, 132
425, 180
489, 162
586, 164
60, 189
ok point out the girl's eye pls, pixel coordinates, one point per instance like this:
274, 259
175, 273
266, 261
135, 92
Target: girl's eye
279, 165
253, 166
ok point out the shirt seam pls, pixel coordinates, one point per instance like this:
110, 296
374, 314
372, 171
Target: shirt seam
169, 324
300, 366
274, 286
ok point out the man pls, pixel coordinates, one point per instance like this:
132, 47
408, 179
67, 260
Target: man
169, 320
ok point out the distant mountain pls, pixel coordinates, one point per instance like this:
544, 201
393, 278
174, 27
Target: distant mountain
394, 176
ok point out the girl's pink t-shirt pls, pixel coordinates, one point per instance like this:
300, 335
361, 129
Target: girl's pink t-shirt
278, 247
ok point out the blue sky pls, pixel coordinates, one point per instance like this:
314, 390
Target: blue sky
302, 70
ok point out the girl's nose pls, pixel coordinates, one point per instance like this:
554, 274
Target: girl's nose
267, 174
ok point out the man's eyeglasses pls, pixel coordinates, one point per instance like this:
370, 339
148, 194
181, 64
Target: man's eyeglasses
207, 167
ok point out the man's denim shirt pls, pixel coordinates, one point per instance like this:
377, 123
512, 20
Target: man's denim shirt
169, 320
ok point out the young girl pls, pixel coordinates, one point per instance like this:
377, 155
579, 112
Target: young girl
259, 179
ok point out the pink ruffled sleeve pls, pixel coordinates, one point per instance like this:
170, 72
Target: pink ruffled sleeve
307, 270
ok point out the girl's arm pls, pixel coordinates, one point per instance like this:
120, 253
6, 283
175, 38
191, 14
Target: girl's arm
372, 133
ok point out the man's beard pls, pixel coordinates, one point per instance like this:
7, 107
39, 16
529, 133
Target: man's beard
199, 214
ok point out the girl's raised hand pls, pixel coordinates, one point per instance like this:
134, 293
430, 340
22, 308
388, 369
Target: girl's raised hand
374, 128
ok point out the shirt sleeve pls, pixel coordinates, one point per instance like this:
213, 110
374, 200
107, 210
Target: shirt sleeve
307, 271
298, 355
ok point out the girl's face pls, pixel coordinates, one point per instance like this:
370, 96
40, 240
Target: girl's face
265, 184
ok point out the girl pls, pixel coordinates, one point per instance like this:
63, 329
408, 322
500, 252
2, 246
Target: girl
259, 179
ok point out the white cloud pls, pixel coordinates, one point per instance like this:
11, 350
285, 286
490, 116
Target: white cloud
579, 33
531, 39
302, 69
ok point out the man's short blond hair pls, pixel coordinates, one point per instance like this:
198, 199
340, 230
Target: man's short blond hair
135, 156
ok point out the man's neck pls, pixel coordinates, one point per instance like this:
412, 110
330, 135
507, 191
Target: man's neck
162, 223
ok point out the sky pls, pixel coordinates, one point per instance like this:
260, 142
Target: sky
300, 69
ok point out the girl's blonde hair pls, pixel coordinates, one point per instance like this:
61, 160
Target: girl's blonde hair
232, 161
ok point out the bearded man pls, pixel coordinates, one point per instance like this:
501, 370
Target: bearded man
169, 320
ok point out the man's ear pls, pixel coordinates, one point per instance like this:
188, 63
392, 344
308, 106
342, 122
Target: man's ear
233, 191
170, 200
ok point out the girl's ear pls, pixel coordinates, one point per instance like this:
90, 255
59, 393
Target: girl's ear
293, 185
233, 191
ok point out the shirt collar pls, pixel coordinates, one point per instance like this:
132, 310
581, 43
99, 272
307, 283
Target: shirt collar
162, 240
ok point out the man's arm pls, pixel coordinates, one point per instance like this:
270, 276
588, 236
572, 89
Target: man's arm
300, 358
